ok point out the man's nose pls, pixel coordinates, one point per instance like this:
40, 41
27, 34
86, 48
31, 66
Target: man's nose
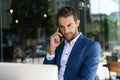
66, 30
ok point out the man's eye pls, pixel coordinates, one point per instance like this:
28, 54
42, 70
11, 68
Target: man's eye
69, 25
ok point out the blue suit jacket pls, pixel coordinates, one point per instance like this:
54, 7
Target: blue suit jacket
83, 60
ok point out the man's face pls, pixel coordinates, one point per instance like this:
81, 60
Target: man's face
68, 27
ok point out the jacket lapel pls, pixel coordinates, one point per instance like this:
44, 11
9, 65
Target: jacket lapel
58, 59
75, 49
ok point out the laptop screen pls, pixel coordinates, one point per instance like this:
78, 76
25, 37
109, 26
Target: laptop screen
19, 71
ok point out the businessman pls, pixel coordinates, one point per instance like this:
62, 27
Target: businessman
76, 56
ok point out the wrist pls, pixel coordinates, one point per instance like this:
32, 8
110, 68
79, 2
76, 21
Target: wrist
51, 50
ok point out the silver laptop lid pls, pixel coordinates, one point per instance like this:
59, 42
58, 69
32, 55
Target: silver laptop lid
19, 71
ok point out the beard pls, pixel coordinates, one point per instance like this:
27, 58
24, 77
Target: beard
71, 37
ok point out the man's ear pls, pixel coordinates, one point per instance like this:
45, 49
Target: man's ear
78, 22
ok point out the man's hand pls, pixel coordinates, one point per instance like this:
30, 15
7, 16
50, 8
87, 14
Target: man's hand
54, 42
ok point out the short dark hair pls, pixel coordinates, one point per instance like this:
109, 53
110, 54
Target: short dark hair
65, 12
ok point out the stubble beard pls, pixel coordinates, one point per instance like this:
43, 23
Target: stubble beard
72, 37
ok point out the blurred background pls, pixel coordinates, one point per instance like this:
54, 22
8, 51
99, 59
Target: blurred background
26, 25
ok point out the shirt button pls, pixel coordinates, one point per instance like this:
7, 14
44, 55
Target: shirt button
49, 57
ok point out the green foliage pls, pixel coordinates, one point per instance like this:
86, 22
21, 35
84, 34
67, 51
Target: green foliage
30, 14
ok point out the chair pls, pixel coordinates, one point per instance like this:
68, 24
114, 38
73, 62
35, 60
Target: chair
20, 71
110, 59
113, 66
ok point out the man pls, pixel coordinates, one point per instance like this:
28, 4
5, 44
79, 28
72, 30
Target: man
76, 56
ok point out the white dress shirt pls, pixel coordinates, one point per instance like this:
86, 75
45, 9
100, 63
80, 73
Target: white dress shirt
65, 55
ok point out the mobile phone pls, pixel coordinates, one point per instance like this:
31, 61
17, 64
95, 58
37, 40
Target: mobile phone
61, 37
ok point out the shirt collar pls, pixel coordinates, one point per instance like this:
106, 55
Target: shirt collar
74, 40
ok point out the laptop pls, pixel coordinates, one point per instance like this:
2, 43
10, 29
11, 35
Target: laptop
23, 71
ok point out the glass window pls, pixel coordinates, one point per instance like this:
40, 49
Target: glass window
105, 20
105, 26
